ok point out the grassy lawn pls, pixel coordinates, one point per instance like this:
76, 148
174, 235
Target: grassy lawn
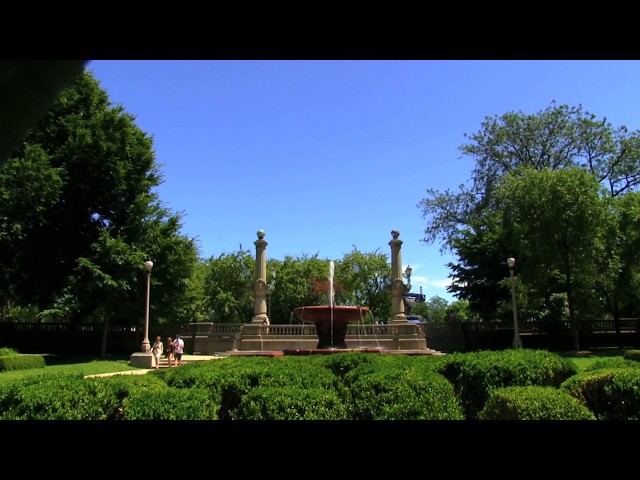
583, 361
61, 364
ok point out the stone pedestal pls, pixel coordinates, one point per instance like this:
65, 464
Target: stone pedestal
141, 360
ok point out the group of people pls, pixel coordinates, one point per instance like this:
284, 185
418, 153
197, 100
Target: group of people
172, 351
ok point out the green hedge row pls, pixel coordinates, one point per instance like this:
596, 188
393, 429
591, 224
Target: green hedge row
21, 362
514, 384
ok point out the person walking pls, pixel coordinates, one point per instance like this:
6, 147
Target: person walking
168, 352
178, 349
157, 349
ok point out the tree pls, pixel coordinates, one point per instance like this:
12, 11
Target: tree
556, 219
296, 278
365, 278
228, 287
93, 217
555, 138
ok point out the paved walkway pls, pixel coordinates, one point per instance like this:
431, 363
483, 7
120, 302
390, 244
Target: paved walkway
163, 364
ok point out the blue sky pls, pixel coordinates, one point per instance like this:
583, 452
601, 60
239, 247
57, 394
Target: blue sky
330, 155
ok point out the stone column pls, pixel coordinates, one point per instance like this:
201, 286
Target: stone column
398, 288
260, 286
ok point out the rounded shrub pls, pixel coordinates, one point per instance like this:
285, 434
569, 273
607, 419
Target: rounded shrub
399, 394
475, 374
290, 403
533, 403
611, 394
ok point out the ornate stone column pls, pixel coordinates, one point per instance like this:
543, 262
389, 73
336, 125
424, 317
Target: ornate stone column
398, 288
260, 286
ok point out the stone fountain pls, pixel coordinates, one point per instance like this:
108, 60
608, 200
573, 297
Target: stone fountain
331, 321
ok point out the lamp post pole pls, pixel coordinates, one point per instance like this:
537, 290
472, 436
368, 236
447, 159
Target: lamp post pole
517, 341
145, 343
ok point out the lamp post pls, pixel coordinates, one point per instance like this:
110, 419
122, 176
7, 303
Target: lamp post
407, 275
517, 342
145, 343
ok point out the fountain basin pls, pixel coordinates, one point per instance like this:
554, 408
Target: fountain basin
331, 322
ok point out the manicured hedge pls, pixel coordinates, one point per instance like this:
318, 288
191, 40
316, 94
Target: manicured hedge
611, 394
533, 403
474, 374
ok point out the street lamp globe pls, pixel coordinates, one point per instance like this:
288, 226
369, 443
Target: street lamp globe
511, 262
148, 265
407, 272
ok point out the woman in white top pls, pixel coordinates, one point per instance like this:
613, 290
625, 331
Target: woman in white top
157, 349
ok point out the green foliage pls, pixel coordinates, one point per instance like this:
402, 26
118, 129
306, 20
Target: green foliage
79, 217
554, 229
437, 309
171, 404
607, 363
296, 278
365, 278
398, 394
21, 362
58, 397
474, 374
611, 394
8, 351
291, 403
340, 364
632, 355
228, 282
533, 403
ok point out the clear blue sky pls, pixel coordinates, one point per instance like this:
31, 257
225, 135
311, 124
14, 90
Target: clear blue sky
327, 155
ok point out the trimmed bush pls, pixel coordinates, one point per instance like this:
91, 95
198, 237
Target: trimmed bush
632, 355
399, 394
58, 397
290, 403
475, 374
170, 404
533, 403
612, 394
230, 379
21, 362
615, 362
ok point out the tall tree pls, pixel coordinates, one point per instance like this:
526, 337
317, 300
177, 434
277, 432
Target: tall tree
94, 217
555, 138
556, 219
228, 287
365, 279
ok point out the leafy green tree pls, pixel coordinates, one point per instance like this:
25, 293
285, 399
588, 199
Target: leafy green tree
437, 308
365, 279
467, 222
300, 281
556, 218
477, 276
228, 286
92, 216
555, 138
619, 281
